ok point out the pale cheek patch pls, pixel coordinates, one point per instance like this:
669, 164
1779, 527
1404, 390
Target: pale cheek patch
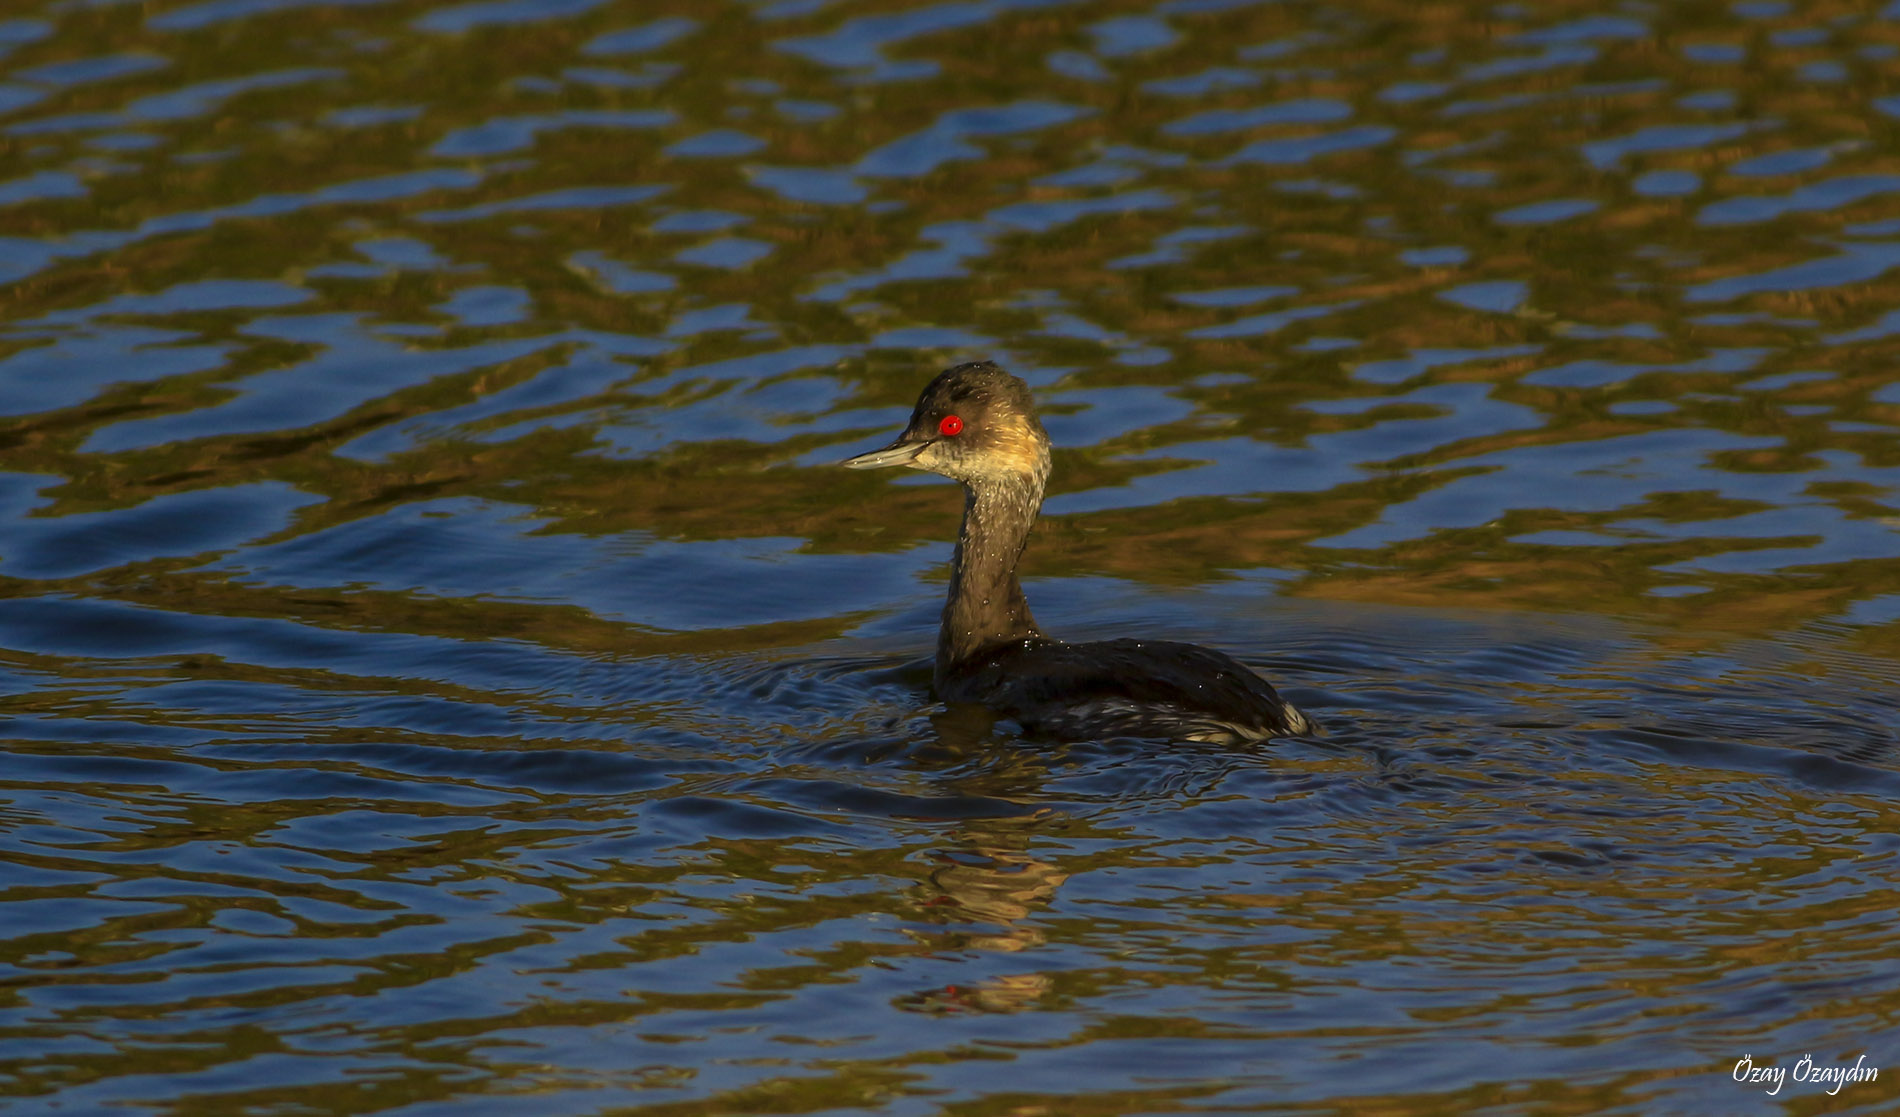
1017, 449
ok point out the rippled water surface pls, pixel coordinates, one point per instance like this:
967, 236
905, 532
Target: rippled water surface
442, 671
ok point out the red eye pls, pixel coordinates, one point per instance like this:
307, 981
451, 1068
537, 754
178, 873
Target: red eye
951, 425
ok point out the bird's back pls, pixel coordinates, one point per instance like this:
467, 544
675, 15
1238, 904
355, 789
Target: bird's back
1143, 688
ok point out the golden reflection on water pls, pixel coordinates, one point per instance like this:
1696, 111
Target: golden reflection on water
435, 646
503, 118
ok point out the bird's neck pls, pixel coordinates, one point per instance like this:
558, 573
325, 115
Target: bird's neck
986, 606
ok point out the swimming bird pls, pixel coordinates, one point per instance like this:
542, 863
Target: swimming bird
977, 425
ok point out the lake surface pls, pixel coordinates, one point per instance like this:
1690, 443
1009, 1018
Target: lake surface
443, 671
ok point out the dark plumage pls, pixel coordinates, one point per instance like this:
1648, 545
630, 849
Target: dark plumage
977, 424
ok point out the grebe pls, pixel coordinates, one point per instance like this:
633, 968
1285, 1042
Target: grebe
977, 424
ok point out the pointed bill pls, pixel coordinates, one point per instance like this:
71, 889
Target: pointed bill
897, 453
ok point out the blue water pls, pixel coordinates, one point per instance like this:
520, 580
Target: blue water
442, 669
